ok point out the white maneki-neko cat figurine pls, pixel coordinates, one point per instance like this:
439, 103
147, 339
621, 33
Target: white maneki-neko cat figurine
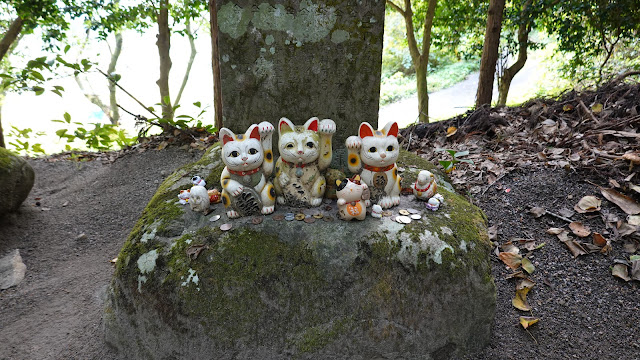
373, 154
249, 163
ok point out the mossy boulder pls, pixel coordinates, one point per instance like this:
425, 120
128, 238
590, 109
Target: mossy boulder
329, 289
16, 181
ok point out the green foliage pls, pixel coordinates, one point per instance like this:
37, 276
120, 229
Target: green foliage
592, 32
180, 122
101, 137
450, 165
20, 142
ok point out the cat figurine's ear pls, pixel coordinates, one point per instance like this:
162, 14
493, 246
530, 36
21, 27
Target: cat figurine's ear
312, 124
391, 129
285, 125
365, 130
253, 132
226, 135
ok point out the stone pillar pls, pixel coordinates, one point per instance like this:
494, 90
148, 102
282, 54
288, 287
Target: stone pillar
300, 59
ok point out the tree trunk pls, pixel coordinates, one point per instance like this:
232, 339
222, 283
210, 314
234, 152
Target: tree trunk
423, 94
2, 144
490, 52
114, 115
420, 59
215, 64
523, 45
10, 36
163, 43
192, 56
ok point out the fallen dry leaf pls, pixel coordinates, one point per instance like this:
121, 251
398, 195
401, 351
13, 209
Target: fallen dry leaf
512, 260
588, 203
537, 211
621, 271
517, 274
631, 246
627, 204
575, 247
527, 321
633, 220
633, 157
596, 108
554, 231
625, 229
613, 183
564, 236
510, 247
527, 265
579, 229
634, 187
566, 212
635, 267
451, 130
520, 300
599, 240
528, 244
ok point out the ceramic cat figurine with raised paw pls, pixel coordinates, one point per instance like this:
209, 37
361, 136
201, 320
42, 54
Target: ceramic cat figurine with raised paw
305, 152
353, 196
373, 154
249, 163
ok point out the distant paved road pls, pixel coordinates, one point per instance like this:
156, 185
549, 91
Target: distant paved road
459, 98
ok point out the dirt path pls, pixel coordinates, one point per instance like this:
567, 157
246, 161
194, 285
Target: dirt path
55, 313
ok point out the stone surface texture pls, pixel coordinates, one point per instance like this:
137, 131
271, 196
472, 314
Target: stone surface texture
12, 270
16, 181
291, 289
299, 59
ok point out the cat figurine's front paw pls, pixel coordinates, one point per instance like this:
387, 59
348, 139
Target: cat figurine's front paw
395, 200
284, 179
232, 214
268, 209
327, 126
386, 202
265, 128
235, 189
280, 200
316, 201
354, 142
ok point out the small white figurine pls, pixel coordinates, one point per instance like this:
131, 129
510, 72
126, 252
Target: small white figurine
184, 197
352, 197
434, 203
425, 186
199, 199
376, 211
197, 180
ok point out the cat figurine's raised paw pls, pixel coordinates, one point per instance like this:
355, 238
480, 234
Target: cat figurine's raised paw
373, 154
305, 152
249, 162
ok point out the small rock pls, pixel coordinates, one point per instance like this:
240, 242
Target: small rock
81, 237
12, 270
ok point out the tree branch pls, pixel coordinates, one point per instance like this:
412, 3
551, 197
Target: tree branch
396, 7
131, 96
411, 36
426, 31
10, 36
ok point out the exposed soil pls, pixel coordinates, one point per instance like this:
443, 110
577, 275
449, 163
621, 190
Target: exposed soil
584, 311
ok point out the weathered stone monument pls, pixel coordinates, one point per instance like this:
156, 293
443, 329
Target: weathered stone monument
300, 59
299, 283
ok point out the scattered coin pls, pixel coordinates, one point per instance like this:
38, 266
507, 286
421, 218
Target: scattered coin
278, 217
214, 218
403, 219
257, 220
413, 211
318, 216
289, 217
328, 208
300, 216
226, 227
403, 212
328, 218
415, 216
386, 213
309, 220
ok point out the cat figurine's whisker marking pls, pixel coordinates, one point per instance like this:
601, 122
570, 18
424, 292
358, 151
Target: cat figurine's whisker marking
373, 154
249, 162
305, 152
